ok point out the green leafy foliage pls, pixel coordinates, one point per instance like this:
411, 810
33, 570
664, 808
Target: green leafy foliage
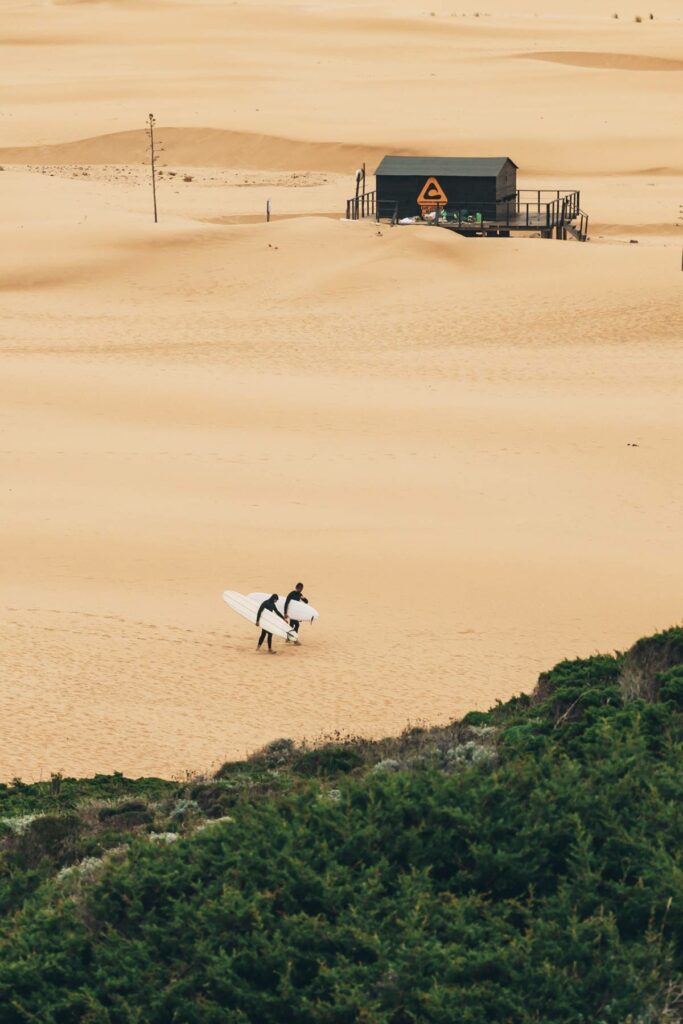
328, 760
525, 865
60, 793
671, 684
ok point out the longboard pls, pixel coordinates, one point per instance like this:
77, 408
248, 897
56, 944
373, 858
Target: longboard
298, 610
248, 609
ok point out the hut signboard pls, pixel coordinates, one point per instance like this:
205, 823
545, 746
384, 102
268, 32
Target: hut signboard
432, 196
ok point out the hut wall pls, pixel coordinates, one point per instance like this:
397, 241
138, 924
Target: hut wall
473, 194
506, 182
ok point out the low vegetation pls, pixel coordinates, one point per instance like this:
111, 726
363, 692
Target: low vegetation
523, 864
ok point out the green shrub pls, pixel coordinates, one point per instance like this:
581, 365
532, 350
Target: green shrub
51, 837
215, 799
477, 718
128, 807
671, 686
127, 815
330, 760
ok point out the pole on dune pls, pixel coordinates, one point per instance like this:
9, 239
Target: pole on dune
150, 132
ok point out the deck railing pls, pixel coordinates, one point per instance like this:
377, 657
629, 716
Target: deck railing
360, 206
543, 209
368, 205
543, 198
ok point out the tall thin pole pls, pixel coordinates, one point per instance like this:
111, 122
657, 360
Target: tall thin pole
152, 122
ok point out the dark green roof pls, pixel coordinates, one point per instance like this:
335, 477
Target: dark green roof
448, 166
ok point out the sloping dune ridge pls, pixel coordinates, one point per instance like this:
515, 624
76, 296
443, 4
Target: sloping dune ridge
467, 449
608, 61
203, 147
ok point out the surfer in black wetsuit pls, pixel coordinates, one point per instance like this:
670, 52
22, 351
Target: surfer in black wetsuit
268, 605
295, 595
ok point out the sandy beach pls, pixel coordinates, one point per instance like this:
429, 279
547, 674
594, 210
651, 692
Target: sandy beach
468, 449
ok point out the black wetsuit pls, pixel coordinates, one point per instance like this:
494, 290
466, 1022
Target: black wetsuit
270, 606
293, 595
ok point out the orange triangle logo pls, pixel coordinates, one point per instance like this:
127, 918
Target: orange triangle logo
432, 194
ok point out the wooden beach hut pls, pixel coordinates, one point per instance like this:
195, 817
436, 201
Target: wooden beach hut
416, 184
470, 195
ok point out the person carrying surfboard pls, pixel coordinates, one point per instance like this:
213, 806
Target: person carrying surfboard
270, 605
295, 595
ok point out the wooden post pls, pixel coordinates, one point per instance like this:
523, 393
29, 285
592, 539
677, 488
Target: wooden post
268, 208
152, 122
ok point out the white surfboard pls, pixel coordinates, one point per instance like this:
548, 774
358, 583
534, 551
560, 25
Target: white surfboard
298, 610
248, 609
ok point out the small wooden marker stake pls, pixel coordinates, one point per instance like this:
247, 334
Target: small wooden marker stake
268, 209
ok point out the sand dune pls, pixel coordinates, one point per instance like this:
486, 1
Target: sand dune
468, 450
200, 147
456, 455
607, 61
214, 147
297, 293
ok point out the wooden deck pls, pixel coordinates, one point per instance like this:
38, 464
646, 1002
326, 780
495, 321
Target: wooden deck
515, 222
552, 212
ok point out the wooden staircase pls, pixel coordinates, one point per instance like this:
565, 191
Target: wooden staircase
578, 228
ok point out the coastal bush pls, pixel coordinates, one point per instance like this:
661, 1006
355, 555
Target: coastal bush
59, 793
671, 686
539, 882
49, 837
328, 760
214, 799
646, 661
277, 752
476, 718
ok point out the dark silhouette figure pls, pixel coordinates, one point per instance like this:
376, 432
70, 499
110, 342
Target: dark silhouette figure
269, 605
